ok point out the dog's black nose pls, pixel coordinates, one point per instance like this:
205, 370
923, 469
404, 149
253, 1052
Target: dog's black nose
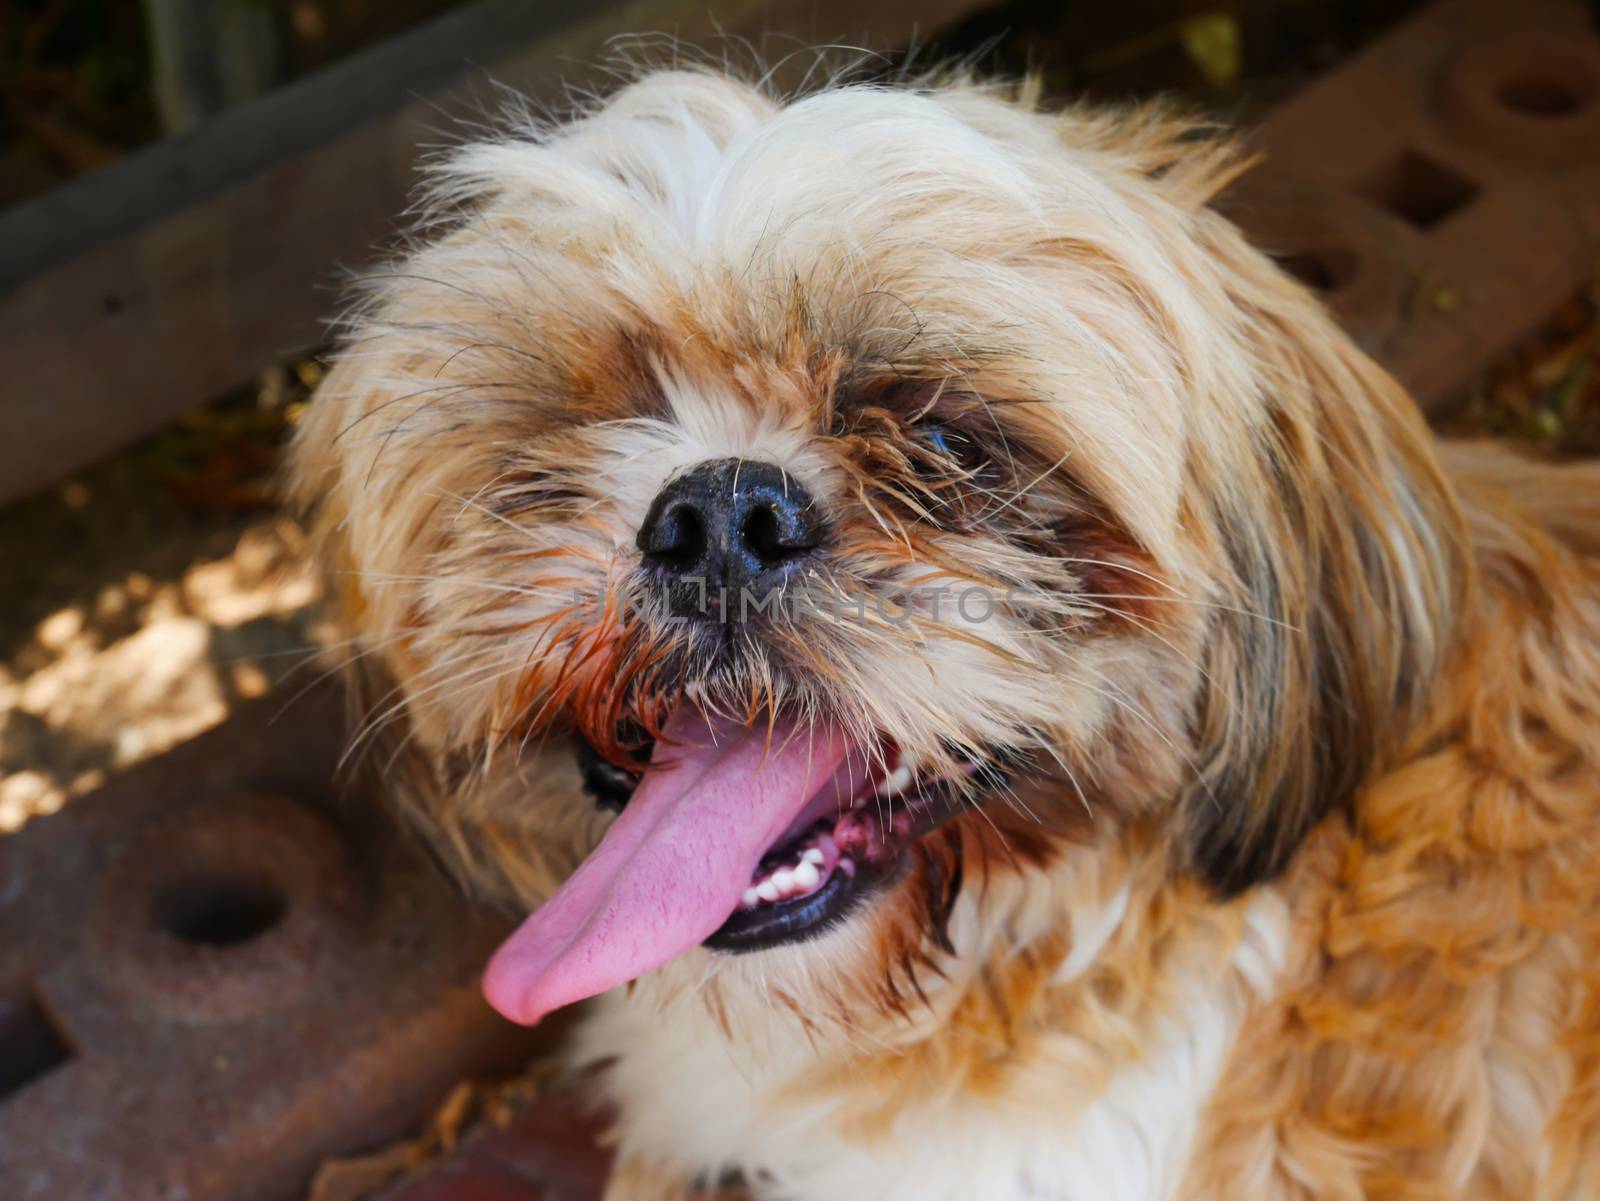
730, 523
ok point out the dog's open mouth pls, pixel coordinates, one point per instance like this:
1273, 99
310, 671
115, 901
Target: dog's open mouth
741, 837
836, 854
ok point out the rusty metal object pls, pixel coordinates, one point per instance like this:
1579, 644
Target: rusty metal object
553, 1150
214, 974
215, 911
1442, 189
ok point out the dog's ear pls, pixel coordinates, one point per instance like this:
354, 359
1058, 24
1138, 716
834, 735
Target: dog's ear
1344, 556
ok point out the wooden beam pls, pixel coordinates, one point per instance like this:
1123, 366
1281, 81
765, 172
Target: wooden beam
133, 294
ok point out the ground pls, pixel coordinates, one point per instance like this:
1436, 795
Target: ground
145, 597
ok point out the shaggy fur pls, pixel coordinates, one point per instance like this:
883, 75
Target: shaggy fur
1296, 894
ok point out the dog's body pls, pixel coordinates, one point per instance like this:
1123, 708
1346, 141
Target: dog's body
1411, 1011
1292, 888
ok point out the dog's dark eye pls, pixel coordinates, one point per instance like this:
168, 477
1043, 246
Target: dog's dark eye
951, 448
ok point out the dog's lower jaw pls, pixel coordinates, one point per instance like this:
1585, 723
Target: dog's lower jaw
1018, 1074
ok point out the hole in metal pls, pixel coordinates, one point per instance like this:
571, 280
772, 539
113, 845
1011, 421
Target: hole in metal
1546, 96
1419, 190
30, 1044
1326, 270
218, 911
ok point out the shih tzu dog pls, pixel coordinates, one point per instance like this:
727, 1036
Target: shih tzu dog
1002, 697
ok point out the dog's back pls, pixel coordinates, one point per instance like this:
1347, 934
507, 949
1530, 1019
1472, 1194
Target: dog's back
1563, 498
1441, 1038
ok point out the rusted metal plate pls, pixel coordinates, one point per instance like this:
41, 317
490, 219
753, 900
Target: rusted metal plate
214, 973
1443, 187
551, 1151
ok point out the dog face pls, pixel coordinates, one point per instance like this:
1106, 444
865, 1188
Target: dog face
844, 485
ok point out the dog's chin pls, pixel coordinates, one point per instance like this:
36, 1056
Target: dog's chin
837, 858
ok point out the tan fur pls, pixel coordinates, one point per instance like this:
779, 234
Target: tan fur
1310, 709
1437, 1039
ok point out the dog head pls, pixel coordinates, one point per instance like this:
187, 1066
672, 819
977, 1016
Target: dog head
835, 485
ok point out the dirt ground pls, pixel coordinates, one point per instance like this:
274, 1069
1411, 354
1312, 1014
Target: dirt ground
145, 597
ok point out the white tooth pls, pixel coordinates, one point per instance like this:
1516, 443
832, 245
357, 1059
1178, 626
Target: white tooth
807, 875
813, 855
767, 890
751, 896
896, 781
784, 879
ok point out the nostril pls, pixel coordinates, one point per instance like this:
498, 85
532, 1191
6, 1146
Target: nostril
676, 536
762, 536
775, 537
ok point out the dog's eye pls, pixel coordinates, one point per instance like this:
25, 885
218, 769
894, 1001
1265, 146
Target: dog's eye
951, 448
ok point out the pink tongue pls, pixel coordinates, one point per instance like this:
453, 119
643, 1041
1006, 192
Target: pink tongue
672, 867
